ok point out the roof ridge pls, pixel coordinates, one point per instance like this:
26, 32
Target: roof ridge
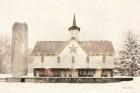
52, 41
78, 41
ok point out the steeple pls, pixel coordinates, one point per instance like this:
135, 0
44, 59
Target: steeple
74, 30
74, 27
74, 21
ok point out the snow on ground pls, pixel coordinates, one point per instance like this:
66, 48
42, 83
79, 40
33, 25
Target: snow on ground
120, 87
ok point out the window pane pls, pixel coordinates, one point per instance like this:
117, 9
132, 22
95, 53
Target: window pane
87, 59
104, 59
73, 59
42, 59
58, 59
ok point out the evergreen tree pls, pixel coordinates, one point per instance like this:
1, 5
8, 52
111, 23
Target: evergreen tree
129, 56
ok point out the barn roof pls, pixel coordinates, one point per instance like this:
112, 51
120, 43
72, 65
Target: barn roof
90, 47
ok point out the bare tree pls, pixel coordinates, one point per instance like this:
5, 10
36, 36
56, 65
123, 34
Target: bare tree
4, 53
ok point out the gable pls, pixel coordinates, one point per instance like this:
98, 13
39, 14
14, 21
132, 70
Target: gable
73, 48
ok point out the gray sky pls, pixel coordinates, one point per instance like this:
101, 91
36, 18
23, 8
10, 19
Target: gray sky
50, 19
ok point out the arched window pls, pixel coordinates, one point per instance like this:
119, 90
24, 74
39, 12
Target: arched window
73, 59
58, 59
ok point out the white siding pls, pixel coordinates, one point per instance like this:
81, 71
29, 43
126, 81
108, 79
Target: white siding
66, 57
97, 62
80, 59
50, 62
37, 62
109, 62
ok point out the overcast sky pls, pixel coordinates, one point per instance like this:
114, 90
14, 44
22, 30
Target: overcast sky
50, 19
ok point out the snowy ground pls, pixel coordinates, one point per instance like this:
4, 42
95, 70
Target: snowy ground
120, 87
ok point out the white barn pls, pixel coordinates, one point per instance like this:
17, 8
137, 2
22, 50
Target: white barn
73, 58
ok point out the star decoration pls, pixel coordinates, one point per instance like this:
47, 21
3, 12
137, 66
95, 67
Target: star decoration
73, 48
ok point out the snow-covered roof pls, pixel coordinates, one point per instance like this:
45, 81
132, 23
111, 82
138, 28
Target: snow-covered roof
90, 47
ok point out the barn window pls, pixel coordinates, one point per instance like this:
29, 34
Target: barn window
42, 59
87, 59
104, 59
73, 59
58, 59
